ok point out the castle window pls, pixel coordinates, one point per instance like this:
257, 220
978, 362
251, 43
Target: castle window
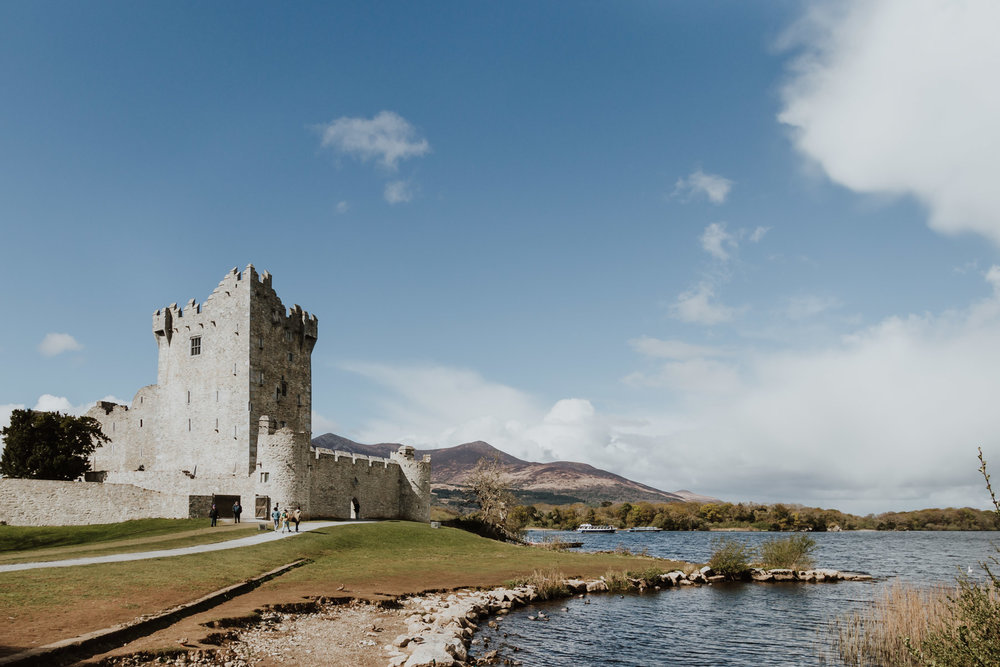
288, 335
195, 346
300, 400
291, 357
260, 378
216, 423
284, 424
189, 397
216, 395
234, 430
260, 342
189, 424
284, 386
140, 423
277, 393
264, 476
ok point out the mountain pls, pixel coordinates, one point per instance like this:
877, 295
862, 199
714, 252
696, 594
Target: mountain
558, 482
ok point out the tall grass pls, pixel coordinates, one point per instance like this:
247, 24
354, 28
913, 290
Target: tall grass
902, 615
548, 584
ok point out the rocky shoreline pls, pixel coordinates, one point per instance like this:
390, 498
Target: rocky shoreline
434, 629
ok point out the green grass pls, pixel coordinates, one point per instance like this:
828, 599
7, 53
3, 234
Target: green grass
128, 537
24, 538
392, 558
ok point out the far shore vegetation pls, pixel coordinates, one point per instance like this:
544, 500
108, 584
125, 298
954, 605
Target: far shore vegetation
731, 516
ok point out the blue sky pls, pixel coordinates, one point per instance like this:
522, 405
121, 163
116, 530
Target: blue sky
741, 248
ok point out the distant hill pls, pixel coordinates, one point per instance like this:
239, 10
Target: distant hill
559, 482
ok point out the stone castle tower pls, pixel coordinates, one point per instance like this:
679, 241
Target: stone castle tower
230, 416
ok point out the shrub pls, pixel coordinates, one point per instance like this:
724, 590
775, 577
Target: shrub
731, 558
792, 552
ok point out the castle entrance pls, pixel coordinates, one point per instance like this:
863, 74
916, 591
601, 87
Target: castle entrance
225, 505
355, 509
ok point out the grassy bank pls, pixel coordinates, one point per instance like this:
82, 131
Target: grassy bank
361, 560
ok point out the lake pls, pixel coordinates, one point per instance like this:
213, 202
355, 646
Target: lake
742, 624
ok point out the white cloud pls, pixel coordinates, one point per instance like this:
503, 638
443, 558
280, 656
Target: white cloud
715, 239
895, 96
343, 207
321, 425
716, 188
386, 138
809, 305
697, 306
673, 349
889, 417
757, 234
57, 343
398, 192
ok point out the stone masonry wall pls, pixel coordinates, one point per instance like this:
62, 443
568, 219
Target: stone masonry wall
340, 477
35, 502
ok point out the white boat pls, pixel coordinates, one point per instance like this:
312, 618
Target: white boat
588, 528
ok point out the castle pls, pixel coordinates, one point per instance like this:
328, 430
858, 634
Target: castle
228, 419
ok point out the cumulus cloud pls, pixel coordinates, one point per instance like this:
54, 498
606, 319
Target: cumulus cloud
712, 186
698, 306
893, 96
758, 233
343, 207
398, 192
386, 138
888, 417
57, 343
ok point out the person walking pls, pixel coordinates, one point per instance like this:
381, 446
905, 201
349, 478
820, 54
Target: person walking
297, 517
284, 521
237, 511
213, 514
276, 516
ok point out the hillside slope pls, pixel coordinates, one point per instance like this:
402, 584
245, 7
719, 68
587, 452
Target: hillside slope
555, 482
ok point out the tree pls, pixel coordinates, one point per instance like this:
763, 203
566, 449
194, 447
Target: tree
49, 445
491, 487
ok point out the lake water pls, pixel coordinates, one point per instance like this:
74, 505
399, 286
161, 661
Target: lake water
729, 624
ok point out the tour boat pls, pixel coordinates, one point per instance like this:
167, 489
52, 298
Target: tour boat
588, 528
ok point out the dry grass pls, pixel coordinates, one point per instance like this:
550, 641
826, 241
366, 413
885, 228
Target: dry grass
879, 634
548, 584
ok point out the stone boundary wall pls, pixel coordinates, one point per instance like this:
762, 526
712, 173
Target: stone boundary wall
338, 478
37, 502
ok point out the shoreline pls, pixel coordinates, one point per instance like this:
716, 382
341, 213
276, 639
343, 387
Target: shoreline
432, 628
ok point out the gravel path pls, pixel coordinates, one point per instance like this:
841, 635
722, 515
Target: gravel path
260, 538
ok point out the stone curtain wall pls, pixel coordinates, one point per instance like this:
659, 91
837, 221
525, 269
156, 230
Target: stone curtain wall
35, 502
340, 477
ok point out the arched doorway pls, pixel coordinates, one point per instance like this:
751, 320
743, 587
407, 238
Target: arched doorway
355, 509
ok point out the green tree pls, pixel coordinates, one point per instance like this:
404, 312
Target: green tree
49, 445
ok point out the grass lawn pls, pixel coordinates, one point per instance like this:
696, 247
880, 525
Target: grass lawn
366, 560
24, 544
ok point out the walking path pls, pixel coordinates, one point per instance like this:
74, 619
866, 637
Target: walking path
260, 538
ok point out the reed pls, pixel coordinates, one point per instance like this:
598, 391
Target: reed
901, 616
